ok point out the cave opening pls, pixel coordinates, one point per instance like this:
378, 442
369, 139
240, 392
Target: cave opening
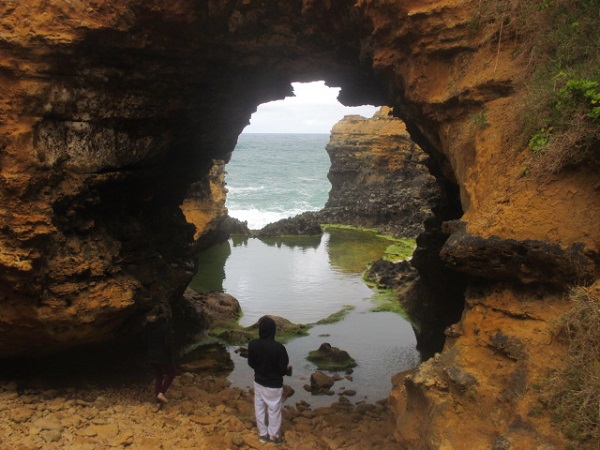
430, 319
279, 166
126, 120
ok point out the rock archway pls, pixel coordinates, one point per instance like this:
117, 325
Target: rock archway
110, 112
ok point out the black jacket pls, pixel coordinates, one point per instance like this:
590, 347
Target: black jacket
267, 357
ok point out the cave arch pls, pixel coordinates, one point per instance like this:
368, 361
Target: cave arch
127, 112
110, 111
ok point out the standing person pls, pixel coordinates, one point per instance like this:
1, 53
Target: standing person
160, 350
270, 362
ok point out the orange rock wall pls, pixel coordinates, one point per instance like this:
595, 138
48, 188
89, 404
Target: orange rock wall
478, 393
110, 111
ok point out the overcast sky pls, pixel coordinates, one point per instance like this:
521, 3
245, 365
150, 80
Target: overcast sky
314, 109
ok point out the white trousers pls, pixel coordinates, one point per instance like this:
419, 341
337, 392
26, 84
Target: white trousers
267, 407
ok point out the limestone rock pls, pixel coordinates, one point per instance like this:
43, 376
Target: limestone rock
378, 180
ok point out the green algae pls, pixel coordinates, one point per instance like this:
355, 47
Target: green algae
336, 316
331, 359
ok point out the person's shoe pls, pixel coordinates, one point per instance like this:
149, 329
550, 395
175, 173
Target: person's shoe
161, 398
263, 439
277, 441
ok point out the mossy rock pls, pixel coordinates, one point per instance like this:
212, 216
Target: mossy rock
285, 330
331, 358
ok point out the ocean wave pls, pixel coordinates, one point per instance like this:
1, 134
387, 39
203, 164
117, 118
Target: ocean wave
257, 219
241, 189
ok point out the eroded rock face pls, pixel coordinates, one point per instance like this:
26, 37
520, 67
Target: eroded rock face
110, 111
112, 115
378, 177
378, 180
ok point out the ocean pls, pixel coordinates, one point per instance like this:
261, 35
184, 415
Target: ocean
275, 176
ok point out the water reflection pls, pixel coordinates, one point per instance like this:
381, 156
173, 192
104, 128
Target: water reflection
208, 359
351, 250
305, 279
211, 268
300, 242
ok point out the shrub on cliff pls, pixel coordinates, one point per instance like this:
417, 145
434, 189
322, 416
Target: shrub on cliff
563, 106
573, 394
560, 42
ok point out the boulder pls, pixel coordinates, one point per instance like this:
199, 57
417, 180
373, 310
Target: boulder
331, 358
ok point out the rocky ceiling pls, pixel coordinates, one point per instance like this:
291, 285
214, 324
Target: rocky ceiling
109, 113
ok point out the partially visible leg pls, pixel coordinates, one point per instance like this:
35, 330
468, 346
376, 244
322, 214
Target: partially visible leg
158, 378
169, 371
273, 399
260, 409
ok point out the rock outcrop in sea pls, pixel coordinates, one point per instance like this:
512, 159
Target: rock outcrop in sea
379, 180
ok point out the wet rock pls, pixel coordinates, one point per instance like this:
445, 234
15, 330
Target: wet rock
199, 313
331, 358
389, 274
285, 328
320, 382
302, 406
236, 336
288, 391
305, 224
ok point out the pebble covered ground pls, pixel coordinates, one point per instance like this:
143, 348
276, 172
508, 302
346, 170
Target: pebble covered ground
203, 412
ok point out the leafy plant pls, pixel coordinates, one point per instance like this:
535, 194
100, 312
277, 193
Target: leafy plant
580, 92
480, 120
539, 140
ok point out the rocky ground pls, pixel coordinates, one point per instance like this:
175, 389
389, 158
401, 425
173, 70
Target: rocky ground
203, 413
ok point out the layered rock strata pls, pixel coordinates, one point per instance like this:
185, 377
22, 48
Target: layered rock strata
110, 111
378, 177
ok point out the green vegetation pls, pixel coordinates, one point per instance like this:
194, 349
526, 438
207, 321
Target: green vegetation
562, 116
235, 334
560, 42
386, 300
403, 248
336, 316
397, 250
573, 393
480, 120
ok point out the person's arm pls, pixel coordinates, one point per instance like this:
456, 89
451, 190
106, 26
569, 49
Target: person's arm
251, 356
284, 362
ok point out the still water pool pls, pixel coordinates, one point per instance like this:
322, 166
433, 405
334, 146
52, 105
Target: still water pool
306, 279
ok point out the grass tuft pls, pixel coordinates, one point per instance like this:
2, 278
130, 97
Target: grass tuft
560, 42
573, 393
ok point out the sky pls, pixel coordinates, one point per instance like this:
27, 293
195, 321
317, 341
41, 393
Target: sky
314, 109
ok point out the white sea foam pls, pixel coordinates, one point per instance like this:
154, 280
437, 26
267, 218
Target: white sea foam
257, 219
273, 177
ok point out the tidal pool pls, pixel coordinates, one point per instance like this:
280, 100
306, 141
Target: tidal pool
305, 279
